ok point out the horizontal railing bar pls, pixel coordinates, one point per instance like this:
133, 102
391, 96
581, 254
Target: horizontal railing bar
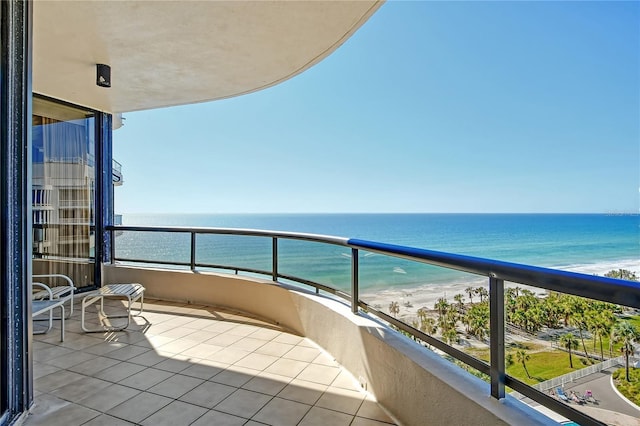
232, 268
611, 290
554, 404
450, 350
288, 277
202, 265
159, 262
322, 287
329, 239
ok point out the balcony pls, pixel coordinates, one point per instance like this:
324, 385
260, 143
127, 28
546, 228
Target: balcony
117, 173
190, 363
193, 364
409, 384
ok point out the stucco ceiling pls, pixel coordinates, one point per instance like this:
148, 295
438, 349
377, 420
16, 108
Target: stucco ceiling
166, 53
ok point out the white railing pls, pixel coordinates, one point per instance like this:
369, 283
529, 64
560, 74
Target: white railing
575, 375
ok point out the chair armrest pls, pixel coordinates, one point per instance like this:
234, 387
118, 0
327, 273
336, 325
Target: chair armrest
64, 277
44, 288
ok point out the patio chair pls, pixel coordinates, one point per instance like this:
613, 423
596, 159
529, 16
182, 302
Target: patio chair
577, 398
59, 287
561, 394
588, 396
46, 305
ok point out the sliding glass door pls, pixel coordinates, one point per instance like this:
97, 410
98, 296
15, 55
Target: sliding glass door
63, 191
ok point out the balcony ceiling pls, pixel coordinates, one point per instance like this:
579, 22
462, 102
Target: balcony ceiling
167, 53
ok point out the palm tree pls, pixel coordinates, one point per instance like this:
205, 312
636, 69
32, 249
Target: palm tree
428, 325
509, 301
477, 320
566, 308
570, 343
422, 314
534, 319
601, 326
552, 306
518, 318
622, 274
578, 318
441, 306
482, 292
508, 359
394, 308
450, 336
522, 357
470, 291
458, 298
625, 333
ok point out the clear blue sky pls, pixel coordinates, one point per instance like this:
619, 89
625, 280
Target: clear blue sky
429, 107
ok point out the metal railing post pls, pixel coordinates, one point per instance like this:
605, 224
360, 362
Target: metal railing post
274, 259
355, 297
193, 251
496, 337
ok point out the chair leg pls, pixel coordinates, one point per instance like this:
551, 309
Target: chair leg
61, 322
49, 325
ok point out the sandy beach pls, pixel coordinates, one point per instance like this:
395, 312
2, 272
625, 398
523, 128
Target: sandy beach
412, 299
425, 296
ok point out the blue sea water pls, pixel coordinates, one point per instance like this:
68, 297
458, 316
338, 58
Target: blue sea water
588, 243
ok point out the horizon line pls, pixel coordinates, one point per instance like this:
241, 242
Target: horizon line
606, 213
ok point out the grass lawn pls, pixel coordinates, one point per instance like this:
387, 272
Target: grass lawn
541, 365
629, 389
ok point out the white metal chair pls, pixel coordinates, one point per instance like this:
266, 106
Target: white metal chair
46, 305
60, 287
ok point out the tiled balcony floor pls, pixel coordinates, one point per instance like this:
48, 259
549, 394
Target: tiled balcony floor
192, 365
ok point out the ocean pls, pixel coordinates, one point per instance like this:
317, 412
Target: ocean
587, 243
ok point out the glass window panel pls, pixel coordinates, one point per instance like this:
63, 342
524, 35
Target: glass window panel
171, 248
325, 264
248, 253
64, 178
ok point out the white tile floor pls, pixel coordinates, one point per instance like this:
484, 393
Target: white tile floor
192, 365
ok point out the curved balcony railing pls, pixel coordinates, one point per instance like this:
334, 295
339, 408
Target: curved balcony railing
604, 289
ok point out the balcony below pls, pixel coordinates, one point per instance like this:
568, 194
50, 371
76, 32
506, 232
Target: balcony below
192, 364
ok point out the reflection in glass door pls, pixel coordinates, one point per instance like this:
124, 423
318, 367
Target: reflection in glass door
63, 191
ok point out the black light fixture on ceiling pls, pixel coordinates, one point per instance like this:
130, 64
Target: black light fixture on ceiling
103, 75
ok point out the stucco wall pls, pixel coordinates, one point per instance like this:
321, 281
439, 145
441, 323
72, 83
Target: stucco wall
415, 386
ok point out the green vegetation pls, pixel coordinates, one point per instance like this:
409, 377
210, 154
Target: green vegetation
629, 388
626, 335
588, 327
570, 343
394, 308
522, 357
634, 320
543, 365
622, 274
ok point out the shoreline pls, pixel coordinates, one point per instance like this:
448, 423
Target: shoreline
411, 299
